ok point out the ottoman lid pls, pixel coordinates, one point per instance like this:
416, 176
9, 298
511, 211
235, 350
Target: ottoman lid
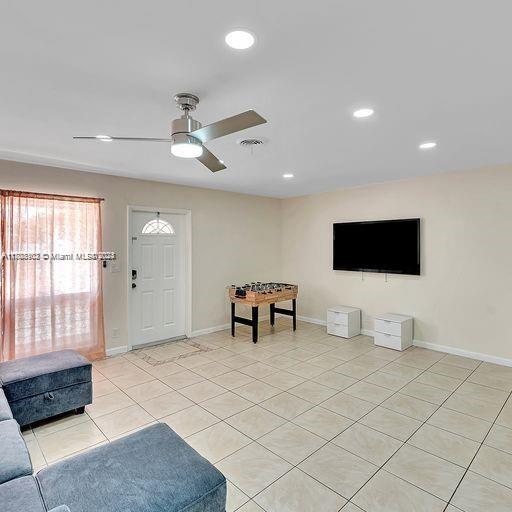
30, 376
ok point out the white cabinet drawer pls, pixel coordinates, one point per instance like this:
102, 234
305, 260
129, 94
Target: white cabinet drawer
335, 317
337, 330
387, 327
389, 341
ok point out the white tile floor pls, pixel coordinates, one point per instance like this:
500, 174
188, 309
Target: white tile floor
306, 422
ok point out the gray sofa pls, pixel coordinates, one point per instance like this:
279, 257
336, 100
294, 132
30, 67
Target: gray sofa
152, 470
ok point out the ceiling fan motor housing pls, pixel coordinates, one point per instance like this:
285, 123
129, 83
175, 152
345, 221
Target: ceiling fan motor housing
180, 128
184, 124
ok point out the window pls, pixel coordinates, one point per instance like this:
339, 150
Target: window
158, 226
51, 298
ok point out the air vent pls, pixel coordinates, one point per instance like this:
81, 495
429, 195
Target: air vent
250, 143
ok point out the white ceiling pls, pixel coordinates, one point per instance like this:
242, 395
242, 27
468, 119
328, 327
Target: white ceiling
432, 70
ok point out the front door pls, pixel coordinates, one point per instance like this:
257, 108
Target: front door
158, 277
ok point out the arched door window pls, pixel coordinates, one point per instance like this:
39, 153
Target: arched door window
158, 226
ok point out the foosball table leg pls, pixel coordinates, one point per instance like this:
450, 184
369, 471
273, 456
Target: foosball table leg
254, 324
233, 319
272, 314
294, 307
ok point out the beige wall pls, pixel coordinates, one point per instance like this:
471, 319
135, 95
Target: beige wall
463, 298
231, 235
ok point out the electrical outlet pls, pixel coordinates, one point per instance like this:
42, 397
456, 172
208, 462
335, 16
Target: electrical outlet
115, 333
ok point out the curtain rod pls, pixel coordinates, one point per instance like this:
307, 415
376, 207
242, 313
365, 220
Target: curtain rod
57, 197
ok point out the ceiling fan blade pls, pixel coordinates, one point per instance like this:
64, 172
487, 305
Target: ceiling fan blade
229, 125
209, 160
129, 139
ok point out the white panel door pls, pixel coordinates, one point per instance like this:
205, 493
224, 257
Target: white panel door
158, 277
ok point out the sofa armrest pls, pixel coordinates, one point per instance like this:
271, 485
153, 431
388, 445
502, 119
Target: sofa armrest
60, 508
14, 456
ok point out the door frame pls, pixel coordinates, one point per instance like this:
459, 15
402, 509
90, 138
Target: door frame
188, 263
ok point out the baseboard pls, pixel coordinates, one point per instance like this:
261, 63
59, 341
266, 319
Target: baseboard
223, 327
453, 350
209, 330
464, 353
116, 351
431, 346
310, 320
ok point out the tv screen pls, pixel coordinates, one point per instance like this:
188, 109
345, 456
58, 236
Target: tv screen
390, 246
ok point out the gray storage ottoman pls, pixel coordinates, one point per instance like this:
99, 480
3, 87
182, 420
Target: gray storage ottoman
152, 470
42, 386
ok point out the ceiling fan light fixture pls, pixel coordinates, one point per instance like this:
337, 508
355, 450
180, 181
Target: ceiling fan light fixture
187, 135
239, 39
185, 146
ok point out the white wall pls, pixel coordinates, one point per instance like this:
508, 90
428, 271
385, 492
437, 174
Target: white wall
463, 298
235, 237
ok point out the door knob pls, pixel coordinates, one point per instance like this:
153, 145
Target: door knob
134, 285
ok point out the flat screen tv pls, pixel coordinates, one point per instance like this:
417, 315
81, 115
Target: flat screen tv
387, 246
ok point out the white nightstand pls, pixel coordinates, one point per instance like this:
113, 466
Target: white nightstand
344, 321
393, 331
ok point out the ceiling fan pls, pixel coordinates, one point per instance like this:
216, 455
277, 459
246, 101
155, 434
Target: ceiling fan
188, 135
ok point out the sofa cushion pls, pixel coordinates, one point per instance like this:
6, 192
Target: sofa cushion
30, 376
21, 495
5, 410
152, 470
14, 456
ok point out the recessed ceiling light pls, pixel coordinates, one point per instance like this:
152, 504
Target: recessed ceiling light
104, 138
239, 39
428, 145
363, 112
288, 175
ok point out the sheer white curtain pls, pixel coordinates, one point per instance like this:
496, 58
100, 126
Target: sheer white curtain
49, 303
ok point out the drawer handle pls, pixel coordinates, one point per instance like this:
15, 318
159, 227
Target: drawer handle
49, 396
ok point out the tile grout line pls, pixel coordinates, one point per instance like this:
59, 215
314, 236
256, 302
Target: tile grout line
478, 450
322, 483
293, 466
405, 442
388, 362
320, 404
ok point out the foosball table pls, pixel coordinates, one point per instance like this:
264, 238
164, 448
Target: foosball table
260, 294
